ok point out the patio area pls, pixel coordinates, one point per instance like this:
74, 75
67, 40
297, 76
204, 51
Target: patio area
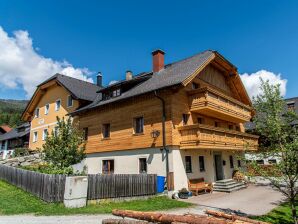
255, 200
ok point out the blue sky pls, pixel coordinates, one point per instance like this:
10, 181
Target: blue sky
114, 36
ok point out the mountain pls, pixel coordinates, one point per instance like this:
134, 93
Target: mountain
11, 111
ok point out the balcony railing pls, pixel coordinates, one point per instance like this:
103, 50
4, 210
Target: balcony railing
209, 137
211, 102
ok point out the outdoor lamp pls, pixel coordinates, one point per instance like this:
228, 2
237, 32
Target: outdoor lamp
155, 133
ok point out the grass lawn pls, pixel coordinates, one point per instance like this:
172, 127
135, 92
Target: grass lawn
15, 201
282, 214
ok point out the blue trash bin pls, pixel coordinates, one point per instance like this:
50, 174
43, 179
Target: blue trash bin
160, 184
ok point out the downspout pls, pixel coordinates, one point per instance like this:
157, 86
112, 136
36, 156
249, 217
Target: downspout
164, 148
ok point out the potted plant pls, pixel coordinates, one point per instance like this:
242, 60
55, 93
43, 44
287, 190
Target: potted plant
183, 193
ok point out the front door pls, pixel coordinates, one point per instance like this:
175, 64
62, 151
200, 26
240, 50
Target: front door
218, 167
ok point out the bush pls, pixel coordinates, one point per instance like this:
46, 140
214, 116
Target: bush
20, 152
49, 169
66, 147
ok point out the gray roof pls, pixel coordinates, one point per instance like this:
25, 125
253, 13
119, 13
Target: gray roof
16, 133
78, 88
172, 74
252, 125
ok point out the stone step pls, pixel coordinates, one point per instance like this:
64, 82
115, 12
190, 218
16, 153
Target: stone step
225, 181
230, 185
230, 189
227, 184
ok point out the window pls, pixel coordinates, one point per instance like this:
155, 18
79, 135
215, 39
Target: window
108, 166
291, 106
216, 124
185, 118
56, 131
106, 130
85, 134
44, 134
195, 85
200, 120
260, 161
46, 109
69, 101
188, 166
239, 163
142, 165
37, 112
202, 163
35, 136
272, 161
230, 126
231, 161
58, 105
138, 125
116, 92
237, 128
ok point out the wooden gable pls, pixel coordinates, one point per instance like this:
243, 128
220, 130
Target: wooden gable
222, 75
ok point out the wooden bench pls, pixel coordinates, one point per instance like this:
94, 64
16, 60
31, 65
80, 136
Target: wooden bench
196, 185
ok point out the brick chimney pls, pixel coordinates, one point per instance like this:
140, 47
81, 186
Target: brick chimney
158, 60
128, 75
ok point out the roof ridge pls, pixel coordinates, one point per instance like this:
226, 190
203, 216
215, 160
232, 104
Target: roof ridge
58, 74
187, 58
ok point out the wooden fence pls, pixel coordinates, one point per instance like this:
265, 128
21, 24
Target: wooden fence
48, 187
120, 185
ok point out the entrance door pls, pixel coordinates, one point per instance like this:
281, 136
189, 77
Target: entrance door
218, 167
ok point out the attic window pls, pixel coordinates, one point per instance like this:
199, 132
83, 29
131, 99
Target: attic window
37, 112
291, 106
57, 105
195, 85
69, 101
116, 92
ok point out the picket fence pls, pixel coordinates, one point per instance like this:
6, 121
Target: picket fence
48, 187
121, 185
51, 187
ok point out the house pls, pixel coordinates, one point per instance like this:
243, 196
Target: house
185, 119
15, 138
57, 96
291, 104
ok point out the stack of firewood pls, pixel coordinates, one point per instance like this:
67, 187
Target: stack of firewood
211, 217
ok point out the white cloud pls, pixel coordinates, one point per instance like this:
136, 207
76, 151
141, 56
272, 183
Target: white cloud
252, 82
21, 64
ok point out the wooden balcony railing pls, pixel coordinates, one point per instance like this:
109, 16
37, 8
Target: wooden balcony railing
213, 103
209, 137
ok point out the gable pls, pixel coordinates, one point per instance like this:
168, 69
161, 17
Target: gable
47, 93
222, 75
211, 75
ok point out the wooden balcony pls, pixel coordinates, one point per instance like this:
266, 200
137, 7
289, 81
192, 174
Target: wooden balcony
213, 103
209, 137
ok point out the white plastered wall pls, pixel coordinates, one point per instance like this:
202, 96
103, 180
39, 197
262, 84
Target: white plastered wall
209, 175
127, 161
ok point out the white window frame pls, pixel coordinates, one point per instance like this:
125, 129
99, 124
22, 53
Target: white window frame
46, 110
44, 134
69, 97
35, 136
56, 107
35, 113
